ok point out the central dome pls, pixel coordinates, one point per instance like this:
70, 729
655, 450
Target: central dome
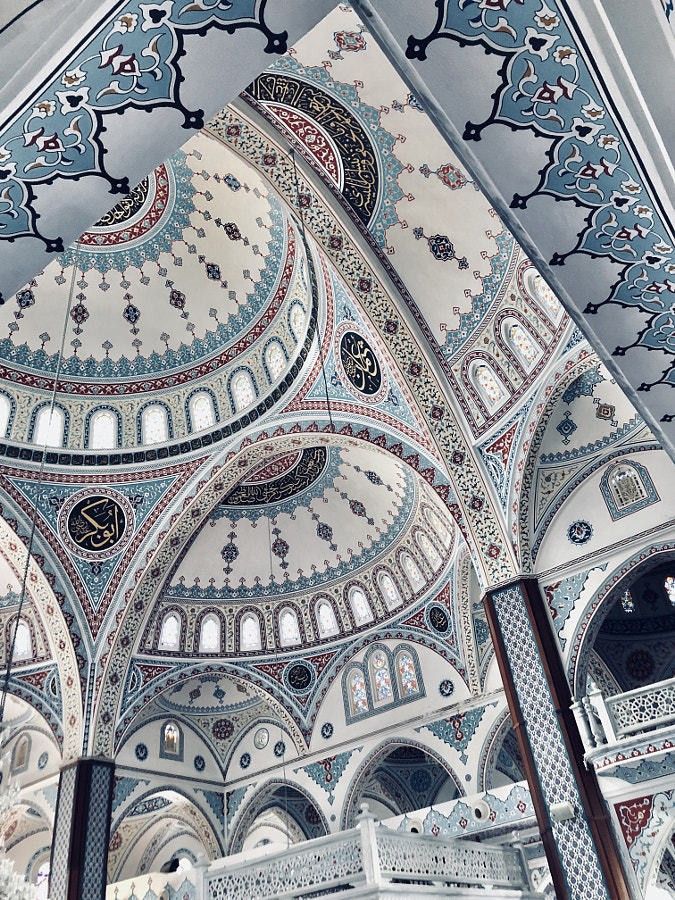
198, 272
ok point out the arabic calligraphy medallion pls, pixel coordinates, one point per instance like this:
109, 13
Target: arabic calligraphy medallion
360, 364
96, 525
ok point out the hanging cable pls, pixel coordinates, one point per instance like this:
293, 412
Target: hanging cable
312, 276
41, 470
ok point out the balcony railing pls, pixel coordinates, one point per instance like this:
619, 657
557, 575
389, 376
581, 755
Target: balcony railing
611, 720
370, 856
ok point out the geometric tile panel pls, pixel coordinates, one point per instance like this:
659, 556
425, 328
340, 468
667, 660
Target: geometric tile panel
576, 850
62, 830
95, 856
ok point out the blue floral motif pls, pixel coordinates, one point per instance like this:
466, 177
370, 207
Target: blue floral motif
561, 598
579, 532
131, 62
458, 730
548, 87
141, 752
583, 386
327, 772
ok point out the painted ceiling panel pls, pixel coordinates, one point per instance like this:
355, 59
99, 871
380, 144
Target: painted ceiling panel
536, 119
155, 58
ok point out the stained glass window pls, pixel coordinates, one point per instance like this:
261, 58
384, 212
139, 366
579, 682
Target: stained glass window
626, 486
20, 754
209, 635
392, 598
202, 413
429, 550
406, 674
412, 572
243, 391
289, 632
546, 297
103, 430
49, 427
358, 695
298, 320
325, 615
154, 424
380, 678
171, 739
522, 342
5, 413
23, 646
360, 606
250, 638
169, 636
275, 359
489, 386
440, 527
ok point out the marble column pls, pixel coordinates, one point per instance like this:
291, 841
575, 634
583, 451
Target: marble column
573, 819
82, 830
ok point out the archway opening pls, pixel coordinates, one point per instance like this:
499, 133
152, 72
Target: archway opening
400, 780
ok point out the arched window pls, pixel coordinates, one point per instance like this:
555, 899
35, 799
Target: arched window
275, 360
172, 741
298, 320
522, 343
23, 645
243, 391
389, 591
289, 631
5, 413
489, 386
103, 430
21, 754
209, 634
249, 632
325, 617
357, 693
154, 424
360, 606
169, 636
202, 413
627, 488
49, 427
428, 549
42, 881
380, 678
406, 674
546, 297
440, 527
412, 572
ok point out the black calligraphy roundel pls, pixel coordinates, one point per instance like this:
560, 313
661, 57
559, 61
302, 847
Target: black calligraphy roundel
299, 676
361, 366
96, 525
438, 619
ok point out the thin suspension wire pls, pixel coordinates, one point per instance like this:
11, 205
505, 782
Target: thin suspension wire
303, 232
33, 524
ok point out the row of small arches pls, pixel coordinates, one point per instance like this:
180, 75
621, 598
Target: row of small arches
103, 431
492, 386
290, 631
